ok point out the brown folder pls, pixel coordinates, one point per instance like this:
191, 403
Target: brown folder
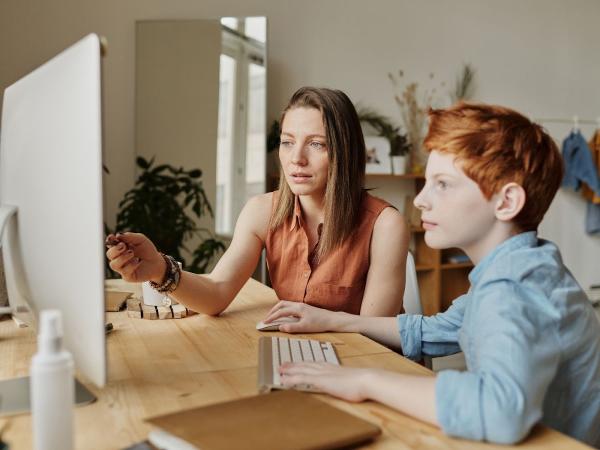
283, 420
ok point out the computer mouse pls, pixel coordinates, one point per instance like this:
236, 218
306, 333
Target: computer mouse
274, 326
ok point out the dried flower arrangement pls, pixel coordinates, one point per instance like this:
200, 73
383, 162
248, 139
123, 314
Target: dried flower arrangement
413, 110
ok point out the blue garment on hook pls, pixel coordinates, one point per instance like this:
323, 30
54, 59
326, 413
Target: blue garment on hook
592, 218
579, 165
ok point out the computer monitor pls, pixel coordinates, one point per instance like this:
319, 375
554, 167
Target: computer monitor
51, 199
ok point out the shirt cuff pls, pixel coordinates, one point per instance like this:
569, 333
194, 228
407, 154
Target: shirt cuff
410, 335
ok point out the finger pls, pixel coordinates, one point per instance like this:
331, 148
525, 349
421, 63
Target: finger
295, 327
132, 239
117, 264
283, 312
280, 304
130, 268
306, 368
116, 251
111, 240
302, 381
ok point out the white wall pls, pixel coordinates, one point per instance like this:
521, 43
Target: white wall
538, 56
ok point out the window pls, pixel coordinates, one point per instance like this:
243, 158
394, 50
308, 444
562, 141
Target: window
241, 145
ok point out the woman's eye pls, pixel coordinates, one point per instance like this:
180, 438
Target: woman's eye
286, 143
317, 145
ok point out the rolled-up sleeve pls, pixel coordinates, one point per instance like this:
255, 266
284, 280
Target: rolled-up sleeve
514, 344
435, 335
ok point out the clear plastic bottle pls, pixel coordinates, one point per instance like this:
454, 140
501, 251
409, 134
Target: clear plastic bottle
52, 387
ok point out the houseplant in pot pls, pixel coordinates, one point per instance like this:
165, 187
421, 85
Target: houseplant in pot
165, 204
399, 147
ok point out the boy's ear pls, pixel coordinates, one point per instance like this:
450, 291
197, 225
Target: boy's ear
510, 201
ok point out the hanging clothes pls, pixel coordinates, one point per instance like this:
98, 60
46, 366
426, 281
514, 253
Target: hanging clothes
594, 146
579, 165
592, 214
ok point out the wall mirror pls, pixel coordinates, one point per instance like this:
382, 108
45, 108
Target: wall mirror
200, 102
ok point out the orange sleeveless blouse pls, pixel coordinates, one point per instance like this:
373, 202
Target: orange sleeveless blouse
338, 281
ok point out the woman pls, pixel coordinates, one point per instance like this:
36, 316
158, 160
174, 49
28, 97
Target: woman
328, 242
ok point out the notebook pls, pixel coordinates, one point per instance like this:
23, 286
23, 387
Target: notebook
285, 420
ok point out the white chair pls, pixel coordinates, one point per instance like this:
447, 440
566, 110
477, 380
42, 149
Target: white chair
412, 300
412, 305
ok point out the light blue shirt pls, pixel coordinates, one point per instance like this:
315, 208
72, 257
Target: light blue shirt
531, 342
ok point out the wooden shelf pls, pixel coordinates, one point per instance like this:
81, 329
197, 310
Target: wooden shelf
457, 265
404, 176
424, 267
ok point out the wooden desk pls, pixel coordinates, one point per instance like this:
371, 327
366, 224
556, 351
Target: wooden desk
161, 366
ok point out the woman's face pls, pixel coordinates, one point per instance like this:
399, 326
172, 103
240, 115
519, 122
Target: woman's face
303, 151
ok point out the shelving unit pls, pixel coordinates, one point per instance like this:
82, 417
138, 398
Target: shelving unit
440, 281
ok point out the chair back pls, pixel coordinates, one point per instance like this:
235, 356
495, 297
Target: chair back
412, 299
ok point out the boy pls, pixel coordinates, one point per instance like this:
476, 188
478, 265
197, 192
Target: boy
530, 336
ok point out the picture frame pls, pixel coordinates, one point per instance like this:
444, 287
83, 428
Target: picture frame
378, 155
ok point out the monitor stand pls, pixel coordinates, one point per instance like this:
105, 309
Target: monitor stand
14, 396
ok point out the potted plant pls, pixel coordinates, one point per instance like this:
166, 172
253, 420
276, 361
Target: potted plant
399, 147
165, 205
399, 154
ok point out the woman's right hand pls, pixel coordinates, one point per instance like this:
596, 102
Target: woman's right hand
311, 319
135, 258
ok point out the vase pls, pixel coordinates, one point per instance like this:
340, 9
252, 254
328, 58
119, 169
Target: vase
399, 164
418, 159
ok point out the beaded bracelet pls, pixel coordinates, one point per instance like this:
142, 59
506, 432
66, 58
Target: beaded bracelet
171, 278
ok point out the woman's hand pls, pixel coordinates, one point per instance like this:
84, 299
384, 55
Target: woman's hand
135, 258
347, 383
311, 318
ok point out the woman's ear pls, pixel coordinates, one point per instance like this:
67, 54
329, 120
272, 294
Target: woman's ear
510, 201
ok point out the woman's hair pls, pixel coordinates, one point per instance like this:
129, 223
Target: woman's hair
497, 145
346, 174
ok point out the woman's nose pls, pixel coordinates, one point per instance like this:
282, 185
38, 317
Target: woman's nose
298, 156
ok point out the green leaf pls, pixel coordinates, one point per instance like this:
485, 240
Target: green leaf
142, 163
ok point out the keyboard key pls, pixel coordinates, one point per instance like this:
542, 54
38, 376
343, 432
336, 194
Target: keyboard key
307, 354
295, 348
284, 350
329, 353
317, 352
276, 362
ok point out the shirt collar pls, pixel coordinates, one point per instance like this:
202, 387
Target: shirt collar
297, 219
527, 239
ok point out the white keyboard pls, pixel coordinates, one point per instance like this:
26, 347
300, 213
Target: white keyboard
276, 350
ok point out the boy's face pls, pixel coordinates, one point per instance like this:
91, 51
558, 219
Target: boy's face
454, 211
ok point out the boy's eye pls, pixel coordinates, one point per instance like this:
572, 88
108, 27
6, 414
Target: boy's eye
442, 184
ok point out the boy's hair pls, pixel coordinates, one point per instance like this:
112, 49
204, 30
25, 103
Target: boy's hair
495, 146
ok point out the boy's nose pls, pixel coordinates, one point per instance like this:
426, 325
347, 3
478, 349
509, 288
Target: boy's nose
420, 201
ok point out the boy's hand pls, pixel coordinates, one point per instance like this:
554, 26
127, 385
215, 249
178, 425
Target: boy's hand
347, 383
312, 319
135, 257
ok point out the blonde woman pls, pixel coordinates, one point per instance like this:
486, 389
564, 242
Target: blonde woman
328, 242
